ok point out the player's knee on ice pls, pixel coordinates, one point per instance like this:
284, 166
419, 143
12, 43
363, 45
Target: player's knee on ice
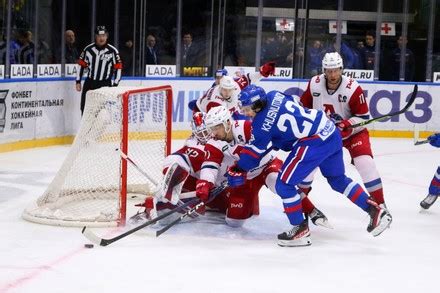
235, 223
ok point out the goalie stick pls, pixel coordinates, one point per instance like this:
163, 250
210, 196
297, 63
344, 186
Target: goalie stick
380, 118
89, 234
192, 210
125, 157
183, 195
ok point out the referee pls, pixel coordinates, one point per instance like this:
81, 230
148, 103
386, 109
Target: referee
102, 61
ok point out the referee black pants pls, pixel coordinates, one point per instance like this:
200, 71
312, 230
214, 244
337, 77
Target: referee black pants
90, 84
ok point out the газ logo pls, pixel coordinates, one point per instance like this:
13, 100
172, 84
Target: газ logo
3, 94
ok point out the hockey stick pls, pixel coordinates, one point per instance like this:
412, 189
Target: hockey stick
104, 242
125, 157
184, 195
192, 210
383, 117
421, 142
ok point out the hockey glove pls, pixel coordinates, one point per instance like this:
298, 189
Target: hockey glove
267, 69
236, 176
434, 140
344, 128
203, 188
336, 118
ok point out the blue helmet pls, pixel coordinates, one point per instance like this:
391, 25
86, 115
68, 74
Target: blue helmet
251, 94
221, 73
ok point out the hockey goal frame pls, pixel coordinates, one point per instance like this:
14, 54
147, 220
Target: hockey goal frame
124, 141
122, 180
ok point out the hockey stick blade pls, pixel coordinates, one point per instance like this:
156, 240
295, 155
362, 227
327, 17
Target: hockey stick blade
421, 142
216, 191
179, 219
104, 242
383, 117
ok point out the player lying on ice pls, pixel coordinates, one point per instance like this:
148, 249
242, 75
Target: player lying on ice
202, 162
280, 122
434, 187
226, 92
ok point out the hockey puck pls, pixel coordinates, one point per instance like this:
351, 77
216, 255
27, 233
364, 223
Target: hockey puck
89, 245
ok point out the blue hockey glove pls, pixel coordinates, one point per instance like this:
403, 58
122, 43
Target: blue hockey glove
434, 140
336, 118
236, 176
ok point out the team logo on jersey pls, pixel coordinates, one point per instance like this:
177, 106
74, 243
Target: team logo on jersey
105, 57
240, 139
316, 94
342, 99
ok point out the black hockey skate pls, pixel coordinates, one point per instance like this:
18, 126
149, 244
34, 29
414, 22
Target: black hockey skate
319, 219
299, 235
380, 218
428, 201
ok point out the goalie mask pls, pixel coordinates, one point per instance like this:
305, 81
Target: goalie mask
199, 129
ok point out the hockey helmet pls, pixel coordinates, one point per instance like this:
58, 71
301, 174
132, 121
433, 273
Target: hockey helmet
199, 129
218, 115
250, 95
221, 73
228, 83
332, 60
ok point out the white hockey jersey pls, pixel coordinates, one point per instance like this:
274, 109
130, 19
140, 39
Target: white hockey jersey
348, 100
220, 155
190, 157
213, 98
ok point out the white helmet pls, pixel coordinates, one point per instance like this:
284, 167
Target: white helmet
227, 83
332, 60
218, 115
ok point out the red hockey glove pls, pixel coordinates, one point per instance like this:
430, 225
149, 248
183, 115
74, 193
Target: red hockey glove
267, 69
344, 128
203, 188
236, 176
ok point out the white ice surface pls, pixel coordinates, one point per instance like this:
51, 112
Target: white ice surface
206, 257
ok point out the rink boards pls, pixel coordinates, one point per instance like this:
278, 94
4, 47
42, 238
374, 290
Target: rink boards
36, 113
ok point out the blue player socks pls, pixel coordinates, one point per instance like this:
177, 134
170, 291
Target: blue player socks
434, 188
357, 195
293, 209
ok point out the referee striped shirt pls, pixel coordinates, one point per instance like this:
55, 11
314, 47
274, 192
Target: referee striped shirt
102, 63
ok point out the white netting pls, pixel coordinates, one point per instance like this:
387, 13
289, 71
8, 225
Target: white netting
86, 190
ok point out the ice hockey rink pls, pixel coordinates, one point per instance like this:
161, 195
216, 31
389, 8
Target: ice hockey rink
207, 256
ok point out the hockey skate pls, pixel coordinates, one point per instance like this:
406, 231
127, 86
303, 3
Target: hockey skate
380, 219
147, 214
428, 201
299, 235
319, 219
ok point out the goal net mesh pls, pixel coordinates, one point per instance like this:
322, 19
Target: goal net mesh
93, 184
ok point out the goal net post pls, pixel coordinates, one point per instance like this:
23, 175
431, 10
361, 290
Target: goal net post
95, 182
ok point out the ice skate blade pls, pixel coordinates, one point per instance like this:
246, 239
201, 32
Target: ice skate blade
384, 224
322, 223
305, 241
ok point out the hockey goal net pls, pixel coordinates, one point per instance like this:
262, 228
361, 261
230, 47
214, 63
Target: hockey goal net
93, 184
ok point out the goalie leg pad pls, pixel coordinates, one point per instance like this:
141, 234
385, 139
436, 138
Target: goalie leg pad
172, 183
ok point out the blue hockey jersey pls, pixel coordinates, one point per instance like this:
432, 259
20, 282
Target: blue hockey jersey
280, 125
